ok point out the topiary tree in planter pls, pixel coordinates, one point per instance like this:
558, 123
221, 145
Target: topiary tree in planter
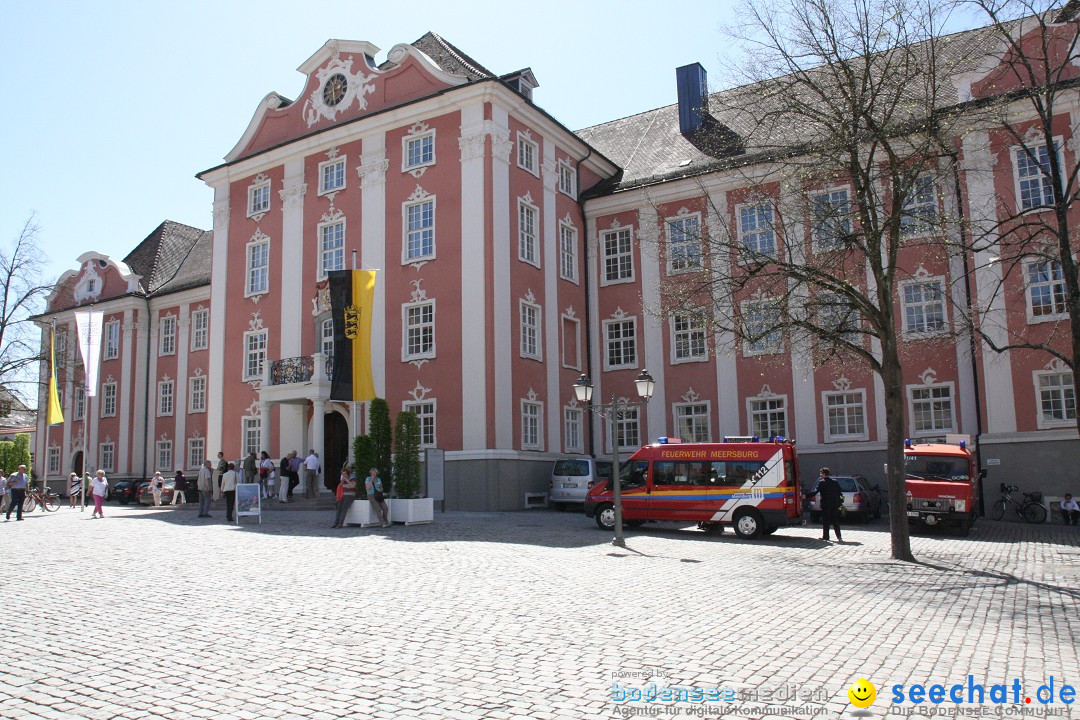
407, 455
382, 441
363, 461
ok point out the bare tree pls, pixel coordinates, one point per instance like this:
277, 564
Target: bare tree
844, 156
21, 267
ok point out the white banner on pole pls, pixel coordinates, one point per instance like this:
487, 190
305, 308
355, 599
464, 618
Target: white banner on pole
88, 324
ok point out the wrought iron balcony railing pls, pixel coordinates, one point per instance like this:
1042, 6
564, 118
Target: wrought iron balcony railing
292, 370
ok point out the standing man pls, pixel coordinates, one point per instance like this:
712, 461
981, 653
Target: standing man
294, 472
228, 489
249, 468
222, 466
179, 487
17, 489
832, 498
311, 472
205, 484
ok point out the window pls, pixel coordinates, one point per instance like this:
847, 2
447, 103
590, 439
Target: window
60, 347
112, 339
331, 175
831, 216
258, 198
1045, 290
920, 208
252, 437
527, 250
530, 331
419, 320
1033, 186
54, 460
425, 414
684, 244
532, 425
526, 153
167, 335
924, 306
419, 150
326, 341
568, 252
571, 342
200, 330
845, 415
567, 179
80, 404
768, 416
757, 236
108, 399
196, 452
166, 391
258, 265
164, 456
573, 430
1057, 398
687, 339
627, 429
762, 333
931, 408
197, 394
108, 456
331, 247
838, 318
420, 231
692, 422
618, 255
254, 354
620, 339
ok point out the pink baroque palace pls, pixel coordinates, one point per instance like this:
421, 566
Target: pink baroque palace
513, 255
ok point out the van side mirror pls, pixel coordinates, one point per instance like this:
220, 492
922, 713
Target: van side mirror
982, 473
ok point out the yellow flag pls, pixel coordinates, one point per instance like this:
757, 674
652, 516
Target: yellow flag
55, 414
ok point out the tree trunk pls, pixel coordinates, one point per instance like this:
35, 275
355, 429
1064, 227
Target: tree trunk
899, 530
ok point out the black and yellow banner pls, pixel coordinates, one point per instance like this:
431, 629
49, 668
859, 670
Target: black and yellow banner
352, 297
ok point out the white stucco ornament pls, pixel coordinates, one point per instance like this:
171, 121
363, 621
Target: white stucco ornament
338, 88
90, 284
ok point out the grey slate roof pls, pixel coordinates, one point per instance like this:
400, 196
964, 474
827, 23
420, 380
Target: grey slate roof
449, 58
173, 257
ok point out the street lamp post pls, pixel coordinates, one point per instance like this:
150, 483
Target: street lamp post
583, 391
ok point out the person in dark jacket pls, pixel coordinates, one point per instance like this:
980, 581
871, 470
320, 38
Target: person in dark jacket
832, 499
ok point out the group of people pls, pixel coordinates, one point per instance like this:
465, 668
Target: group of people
345, 493
13, 492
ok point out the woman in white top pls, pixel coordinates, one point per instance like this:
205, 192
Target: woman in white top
100, 487
267, 474
157, 484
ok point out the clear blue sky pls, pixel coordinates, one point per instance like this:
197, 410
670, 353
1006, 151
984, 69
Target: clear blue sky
112, 107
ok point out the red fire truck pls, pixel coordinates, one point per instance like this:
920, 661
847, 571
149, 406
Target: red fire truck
750, 485
942, 485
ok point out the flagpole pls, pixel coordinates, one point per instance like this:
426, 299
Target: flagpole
353, 417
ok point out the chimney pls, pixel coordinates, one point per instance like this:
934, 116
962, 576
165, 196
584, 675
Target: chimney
693, 88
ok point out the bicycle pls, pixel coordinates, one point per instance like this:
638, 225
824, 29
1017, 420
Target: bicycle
47, 500
1031, 510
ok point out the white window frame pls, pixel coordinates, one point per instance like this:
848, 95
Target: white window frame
742, 231
163, 454
257, 277
952, 408
428, 420
528, 154
826, 395
752, 412
251, 352
1053, 283
196, 452
428, 354
321, 234
1016, 151
528, 242
197, 387
771, 344
919, 215
633, 362
567, 179
533, 331
573, 426
617, 256
939, 282
692, 328
842, 222
1044, 423
254, 190
576, 322
60, 347
251, 434
405, 232
528, 441
690, 247
629, 419
112, 340
80, 403
326, 338
166, 396
200, 329
568, 251
697, 420
419, 138
107, 453
332, 164
54, 460
167, 335
108, 399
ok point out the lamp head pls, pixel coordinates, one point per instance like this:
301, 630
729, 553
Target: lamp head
645, 385
583, 389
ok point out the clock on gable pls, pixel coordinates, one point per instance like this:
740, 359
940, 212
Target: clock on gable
334, 89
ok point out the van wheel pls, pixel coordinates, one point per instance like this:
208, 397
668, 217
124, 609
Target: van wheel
748, 525
965, 528
605, 517
771, 529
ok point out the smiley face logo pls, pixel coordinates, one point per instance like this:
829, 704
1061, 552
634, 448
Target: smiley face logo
862, 693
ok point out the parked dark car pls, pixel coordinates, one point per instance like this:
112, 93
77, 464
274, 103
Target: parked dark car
145, 497
124, 491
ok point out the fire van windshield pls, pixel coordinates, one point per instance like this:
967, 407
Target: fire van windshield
935, 467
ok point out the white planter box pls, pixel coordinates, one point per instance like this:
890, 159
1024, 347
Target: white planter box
419, 511
360, 514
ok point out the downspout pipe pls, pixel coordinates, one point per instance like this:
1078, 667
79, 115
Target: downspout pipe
586, 285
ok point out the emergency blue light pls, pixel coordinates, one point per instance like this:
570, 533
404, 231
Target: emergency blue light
662, 440
907, 442
963, 444
756, 439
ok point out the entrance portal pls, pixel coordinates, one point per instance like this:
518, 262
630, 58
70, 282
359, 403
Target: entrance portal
77, 463
335, 448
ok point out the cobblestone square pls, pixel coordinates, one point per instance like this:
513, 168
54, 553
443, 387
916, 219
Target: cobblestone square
534, 614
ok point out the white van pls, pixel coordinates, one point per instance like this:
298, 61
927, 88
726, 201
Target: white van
571, 479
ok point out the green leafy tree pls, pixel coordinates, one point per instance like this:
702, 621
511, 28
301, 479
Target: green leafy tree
363, 461
20, 451
407, 455
382, 440
7, 457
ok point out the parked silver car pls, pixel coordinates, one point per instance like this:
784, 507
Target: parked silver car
862, 500
571, 479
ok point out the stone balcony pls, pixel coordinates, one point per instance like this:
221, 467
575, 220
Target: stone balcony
297, 379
